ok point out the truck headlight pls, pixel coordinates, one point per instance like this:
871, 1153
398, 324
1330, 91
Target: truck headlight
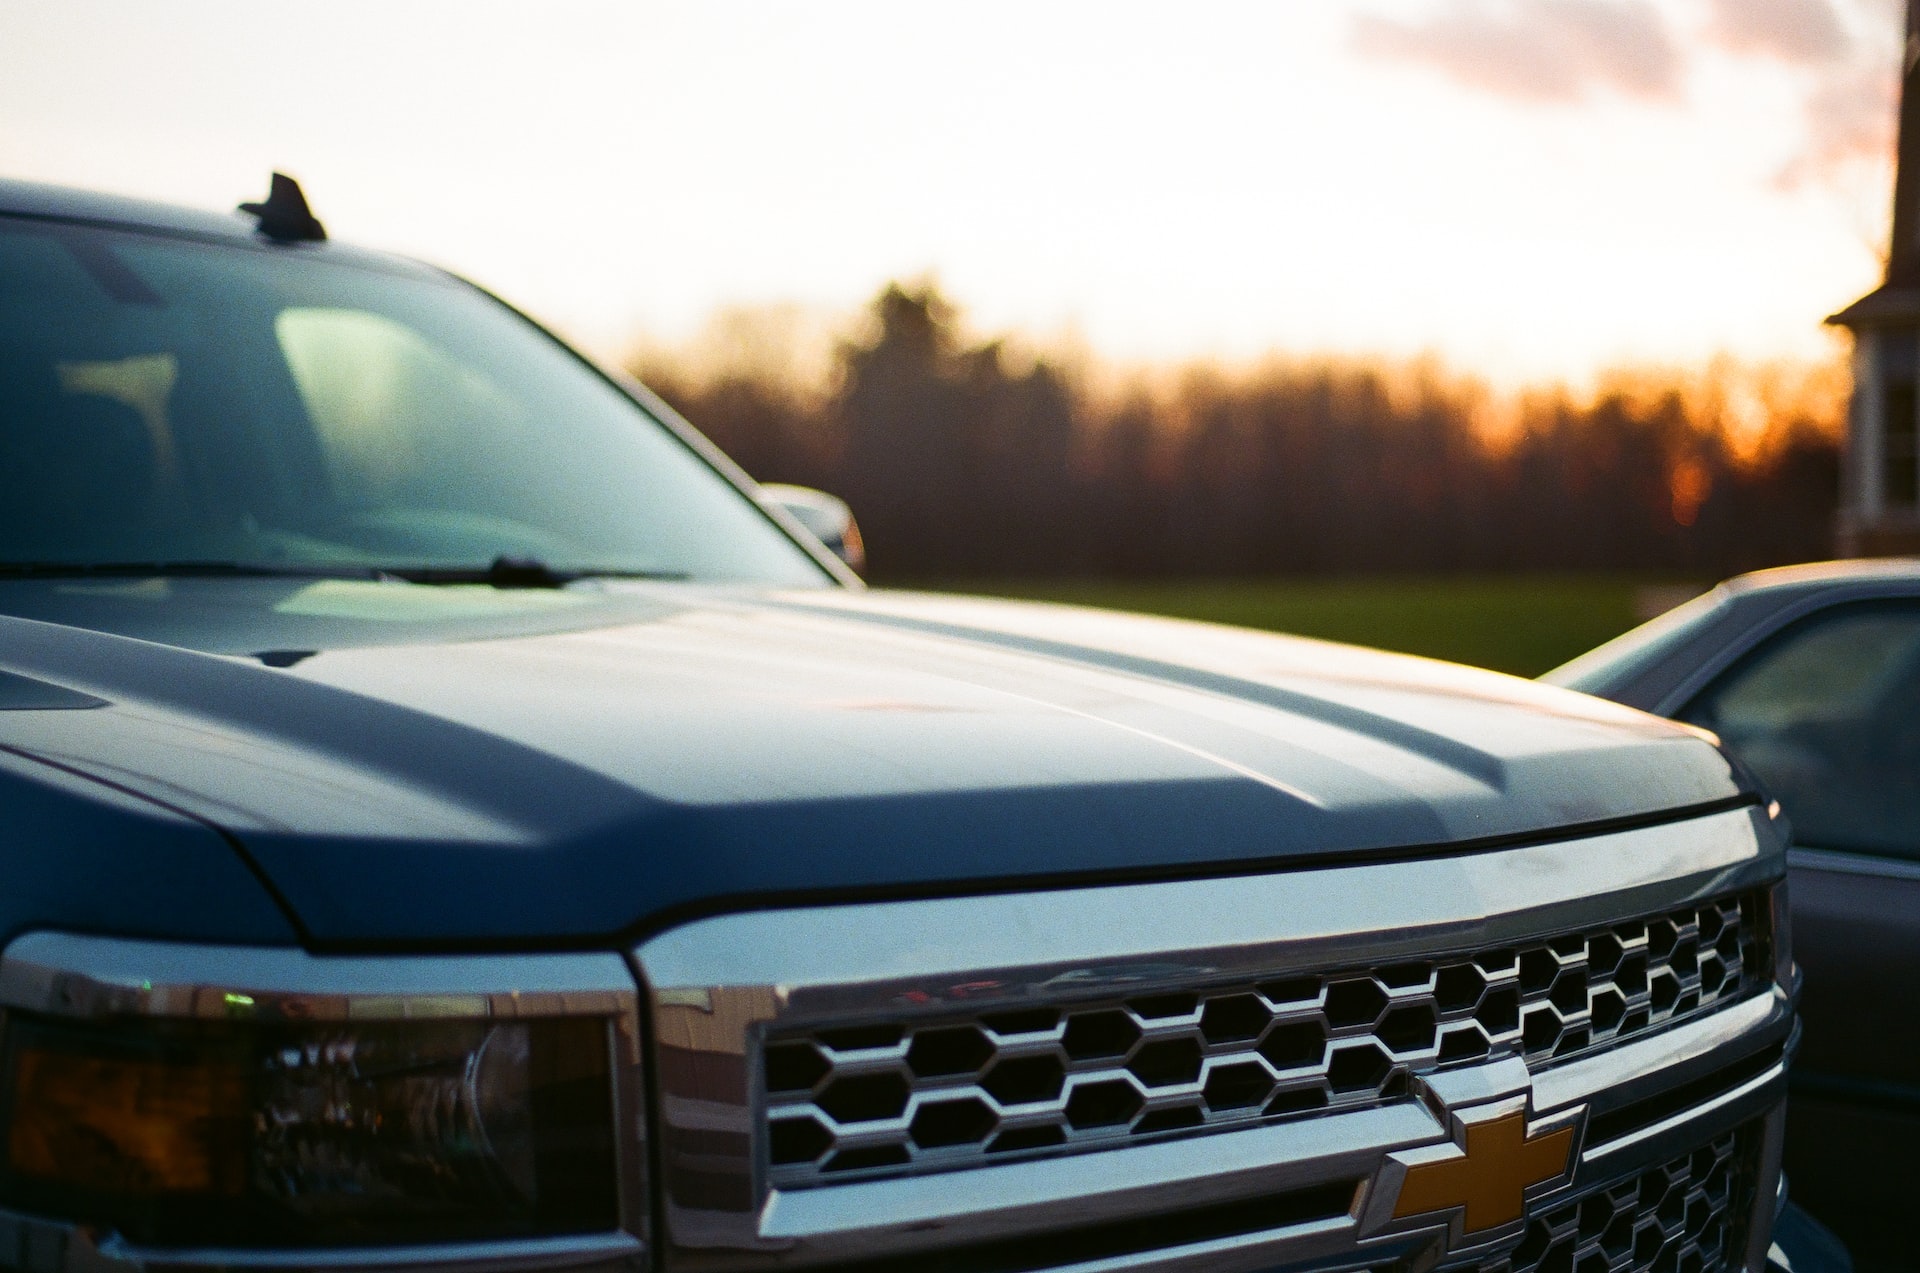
269, 1118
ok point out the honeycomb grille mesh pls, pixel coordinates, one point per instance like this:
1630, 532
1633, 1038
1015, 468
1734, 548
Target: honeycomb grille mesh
1684, 1216
890, 1098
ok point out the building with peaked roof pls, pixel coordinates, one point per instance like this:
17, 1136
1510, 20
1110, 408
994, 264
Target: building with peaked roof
1880, 484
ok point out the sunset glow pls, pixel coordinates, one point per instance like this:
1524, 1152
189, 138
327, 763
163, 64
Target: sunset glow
1530, 189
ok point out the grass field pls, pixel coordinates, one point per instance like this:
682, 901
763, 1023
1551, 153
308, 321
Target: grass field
1523, 624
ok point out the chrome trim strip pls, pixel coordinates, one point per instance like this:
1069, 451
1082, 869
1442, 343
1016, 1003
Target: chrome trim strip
827, 961
1647, 1066
1723, 1112
1766, 1206
1841, 862
43, 1246
716, 984
1246, 1253
616, 1250
871, 1217
73, 976
1785, 972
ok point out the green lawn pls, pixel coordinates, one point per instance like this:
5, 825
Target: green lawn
1523, 624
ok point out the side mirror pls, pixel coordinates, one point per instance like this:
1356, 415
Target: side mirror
826, 516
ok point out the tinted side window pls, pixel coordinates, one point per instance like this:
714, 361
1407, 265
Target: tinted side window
1827, 713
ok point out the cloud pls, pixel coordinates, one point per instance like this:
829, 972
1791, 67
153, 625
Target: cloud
1852, 90
1802, 31
1844, 54
1537, 50
1851, 117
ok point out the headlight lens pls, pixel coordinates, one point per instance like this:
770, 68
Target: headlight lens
376, 1133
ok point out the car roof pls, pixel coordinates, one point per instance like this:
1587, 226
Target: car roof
62, 203
1649, 666
1819, 575
42, 202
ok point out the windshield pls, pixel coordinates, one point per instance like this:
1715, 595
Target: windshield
1605, 669
172, 401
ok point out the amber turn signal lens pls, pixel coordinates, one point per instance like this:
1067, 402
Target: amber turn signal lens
135, 1125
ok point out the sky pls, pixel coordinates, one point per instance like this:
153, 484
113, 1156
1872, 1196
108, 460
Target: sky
1527, 189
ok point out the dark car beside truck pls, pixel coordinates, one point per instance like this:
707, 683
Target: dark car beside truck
1810, 676
453, 821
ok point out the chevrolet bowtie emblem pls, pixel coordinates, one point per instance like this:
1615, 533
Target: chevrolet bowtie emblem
1490, 1178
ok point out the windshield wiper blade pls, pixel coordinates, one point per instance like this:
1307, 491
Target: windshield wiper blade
189, 569
520, 572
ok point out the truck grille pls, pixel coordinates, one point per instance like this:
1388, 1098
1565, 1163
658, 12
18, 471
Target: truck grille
886, 1098
1687, 1214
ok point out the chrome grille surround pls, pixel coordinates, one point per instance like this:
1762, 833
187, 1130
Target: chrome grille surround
953, 1091
719, 987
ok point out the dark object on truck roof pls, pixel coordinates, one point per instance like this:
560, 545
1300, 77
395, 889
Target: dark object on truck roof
285, 216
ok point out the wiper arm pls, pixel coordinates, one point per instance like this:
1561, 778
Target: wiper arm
519, 572
180, 569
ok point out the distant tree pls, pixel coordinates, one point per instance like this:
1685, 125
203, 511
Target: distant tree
955, 463
963, 460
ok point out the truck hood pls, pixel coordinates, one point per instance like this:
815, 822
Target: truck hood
417, 767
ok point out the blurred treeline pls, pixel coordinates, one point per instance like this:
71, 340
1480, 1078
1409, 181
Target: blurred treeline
965, 460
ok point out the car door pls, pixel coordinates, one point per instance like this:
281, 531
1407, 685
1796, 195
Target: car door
1827, 714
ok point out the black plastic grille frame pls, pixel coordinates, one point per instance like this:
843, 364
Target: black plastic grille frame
888, 1098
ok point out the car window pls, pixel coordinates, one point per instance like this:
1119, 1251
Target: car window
1827, 715
172, 400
